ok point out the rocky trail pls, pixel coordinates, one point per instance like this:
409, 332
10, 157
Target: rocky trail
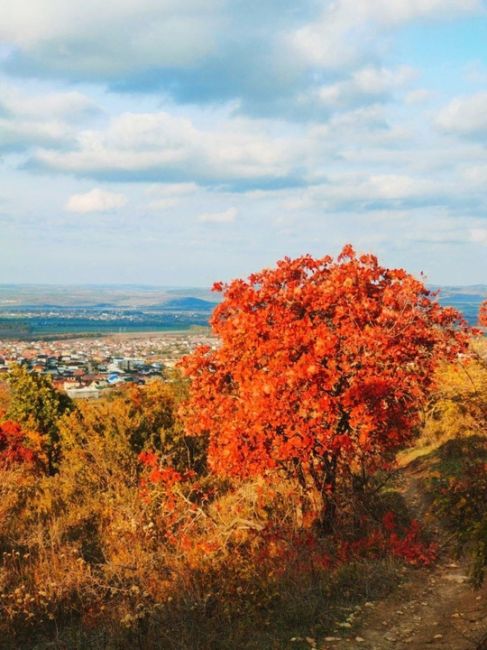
434, 607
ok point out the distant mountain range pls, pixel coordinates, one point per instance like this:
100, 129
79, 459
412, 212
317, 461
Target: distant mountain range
466, 299
105, 297
167, 300
188, 303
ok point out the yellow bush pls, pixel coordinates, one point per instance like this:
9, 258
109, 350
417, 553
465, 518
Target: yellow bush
458, 406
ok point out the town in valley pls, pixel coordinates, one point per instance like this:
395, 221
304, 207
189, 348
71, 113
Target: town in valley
91, 367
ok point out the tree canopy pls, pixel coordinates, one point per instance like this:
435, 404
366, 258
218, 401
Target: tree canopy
37, 405
322, 362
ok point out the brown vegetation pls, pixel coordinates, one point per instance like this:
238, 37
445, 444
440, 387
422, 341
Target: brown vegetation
115, 533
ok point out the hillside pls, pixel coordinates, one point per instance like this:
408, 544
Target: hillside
435, 606
316, 480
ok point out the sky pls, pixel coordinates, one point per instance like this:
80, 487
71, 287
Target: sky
179, 142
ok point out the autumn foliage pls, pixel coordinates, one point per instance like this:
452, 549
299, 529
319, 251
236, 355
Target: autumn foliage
37, 406
252, 501
482, 318
323, 364
14, 446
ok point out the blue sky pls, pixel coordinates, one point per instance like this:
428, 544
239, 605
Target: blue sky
177, 142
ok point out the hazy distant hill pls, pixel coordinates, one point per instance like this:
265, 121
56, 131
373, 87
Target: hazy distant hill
167, 300
186, 304
99, 297
465, 299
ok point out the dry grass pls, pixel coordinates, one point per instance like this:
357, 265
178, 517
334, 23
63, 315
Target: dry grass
100, 557
89, 560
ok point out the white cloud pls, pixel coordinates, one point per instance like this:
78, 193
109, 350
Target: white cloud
373, 80
367, 118
367, 84
371, 193
264, 55
395, 186
419, 96
465, 116
173, 189
162, 204
387, 187
17, 135
479, 236
144, 146
96, 200
476, 176
68, 106
40, 119
228, 216
161, 32
169, 195
340, 142
347, 29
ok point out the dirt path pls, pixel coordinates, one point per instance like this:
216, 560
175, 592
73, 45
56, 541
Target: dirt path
433, 608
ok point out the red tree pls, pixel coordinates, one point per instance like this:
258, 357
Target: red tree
13, 449
322, 364
482, 318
